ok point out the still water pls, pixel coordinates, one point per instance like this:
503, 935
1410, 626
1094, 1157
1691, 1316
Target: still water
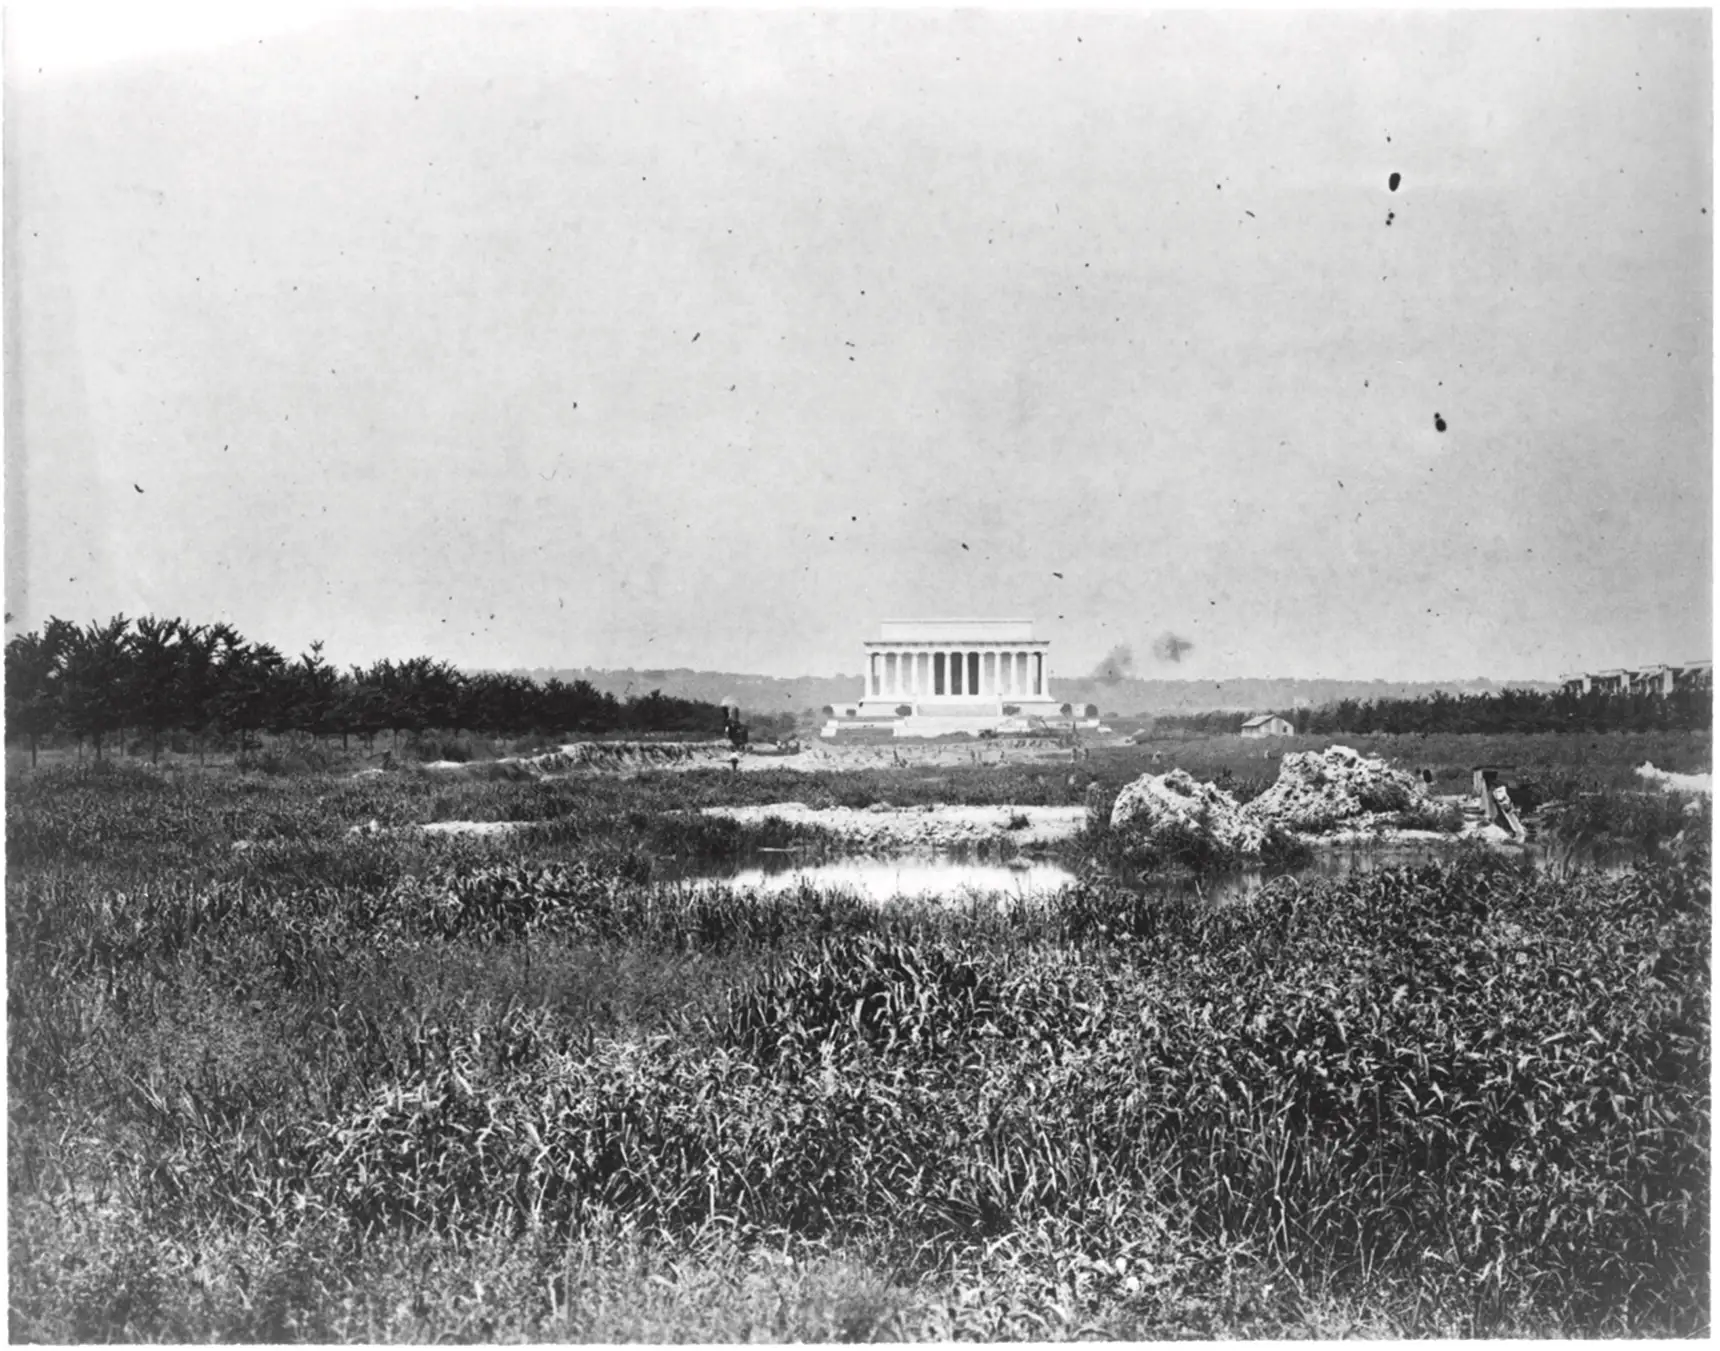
955, 877
888, 879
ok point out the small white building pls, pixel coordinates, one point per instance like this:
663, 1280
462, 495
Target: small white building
1267, 724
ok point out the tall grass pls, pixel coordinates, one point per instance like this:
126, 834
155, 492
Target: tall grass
379, 1087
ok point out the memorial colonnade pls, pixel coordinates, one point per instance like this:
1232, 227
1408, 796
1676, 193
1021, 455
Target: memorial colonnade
960, 670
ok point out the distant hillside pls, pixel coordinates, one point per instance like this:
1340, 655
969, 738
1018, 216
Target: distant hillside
775, 694
754, 693
1259, 695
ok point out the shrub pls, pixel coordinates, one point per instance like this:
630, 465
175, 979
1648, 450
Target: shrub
1603, 826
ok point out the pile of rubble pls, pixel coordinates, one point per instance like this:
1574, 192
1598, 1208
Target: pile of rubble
1317, 792
1177, 806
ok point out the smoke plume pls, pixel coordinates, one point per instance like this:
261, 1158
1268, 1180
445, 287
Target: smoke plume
1169, 647
1117, 664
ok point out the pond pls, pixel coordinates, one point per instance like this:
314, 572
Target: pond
958, 877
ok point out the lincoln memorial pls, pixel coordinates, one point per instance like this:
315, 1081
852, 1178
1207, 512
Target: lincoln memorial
931, 675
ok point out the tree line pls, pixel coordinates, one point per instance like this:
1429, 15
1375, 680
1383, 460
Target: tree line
1509, 710
165, 676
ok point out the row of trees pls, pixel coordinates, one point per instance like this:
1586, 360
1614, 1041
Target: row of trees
162, 676
1506, 711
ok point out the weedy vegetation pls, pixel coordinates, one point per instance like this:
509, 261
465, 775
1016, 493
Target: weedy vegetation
380, 1086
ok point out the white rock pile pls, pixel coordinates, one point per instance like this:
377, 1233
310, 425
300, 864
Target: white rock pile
1161, 806
1316, 792
1319, 791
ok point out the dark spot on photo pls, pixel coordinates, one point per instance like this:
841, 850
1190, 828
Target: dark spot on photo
1393, 181
1438, 423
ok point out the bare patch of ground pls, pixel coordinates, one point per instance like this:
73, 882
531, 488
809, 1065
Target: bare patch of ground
625, 756
928, 827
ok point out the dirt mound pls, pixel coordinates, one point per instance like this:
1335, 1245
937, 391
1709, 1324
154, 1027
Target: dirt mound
1318, 791
1175, 808
628, 755
500, 771
591, 755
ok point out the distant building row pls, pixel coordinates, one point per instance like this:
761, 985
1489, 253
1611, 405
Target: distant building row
1658, 681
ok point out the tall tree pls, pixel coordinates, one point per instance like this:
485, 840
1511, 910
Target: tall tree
251, 689
32, 685
95, 678
310, 688
152, 698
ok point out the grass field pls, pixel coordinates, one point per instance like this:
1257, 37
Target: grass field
1608, 761
337, 1086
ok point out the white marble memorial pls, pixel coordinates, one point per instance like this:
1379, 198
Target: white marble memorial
925, 677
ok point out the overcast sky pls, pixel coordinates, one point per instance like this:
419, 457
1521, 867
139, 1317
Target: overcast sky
529, 338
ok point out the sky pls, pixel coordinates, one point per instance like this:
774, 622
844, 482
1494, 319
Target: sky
555, 337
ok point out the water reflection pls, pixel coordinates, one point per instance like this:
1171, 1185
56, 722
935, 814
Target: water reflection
956, 877
888, 879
